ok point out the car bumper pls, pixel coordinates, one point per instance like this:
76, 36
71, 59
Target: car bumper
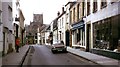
58, 50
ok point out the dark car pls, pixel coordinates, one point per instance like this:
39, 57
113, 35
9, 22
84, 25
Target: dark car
58, 47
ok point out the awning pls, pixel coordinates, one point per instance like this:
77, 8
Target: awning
79, 27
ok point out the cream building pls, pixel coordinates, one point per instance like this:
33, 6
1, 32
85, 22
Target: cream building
77, 24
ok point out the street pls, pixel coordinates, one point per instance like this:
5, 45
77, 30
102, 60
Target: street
42, 55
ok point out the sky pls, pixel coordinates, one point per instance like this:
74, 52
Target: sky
48, 8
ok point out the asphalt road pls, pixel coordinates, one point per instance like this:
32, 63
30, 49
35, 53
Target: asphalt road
42, 55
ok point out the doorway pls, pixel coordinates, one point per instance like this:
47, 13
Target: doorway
88, 37
67, 37
3, 52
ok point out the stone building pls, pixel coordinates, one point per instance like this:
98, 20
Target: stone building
32, 29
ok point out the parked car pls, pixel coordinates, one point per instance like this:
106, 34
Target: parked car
58, 47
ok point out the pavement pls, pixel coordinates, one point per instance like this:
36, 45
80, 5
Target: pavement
101, 60
17, 58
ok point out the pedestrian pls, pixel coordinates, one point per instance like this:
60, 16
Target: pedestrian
17, 44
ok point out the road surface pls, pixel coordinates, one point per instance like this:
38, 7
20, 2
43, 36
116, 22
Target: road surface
42, 55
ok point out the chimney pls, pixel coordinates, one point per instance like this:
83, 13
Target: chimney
58, 13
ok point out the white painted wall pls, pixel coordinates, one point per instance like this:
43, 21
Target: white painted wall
54, 36
62, 27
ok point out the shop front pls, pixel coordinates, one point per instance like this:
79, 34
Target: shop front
78, 34
106, 37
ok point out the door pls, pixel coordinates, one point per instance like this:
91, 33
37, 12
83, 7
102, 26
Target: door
88, 37
67, 38
3, 44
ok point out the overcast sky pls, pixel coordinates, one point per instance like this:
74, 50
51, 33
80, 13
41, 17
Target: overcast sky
48, 8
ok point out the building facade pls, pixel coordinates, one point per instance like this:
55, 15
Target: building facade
21, 27
18, 20
8, 43
68, 31
61, 26
102, 30
1, 31
77, 24
54, 37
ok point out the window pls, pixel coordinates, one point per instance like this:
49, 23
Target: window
78, 12
103, 4
70, 17
83, 8
88, 8
74, 15
94, 6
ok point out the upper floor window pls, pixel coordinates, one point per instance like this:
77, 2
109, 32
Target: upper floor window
78, 12
74, 15
83, 8
88, 7
94, 6
70, 17
103, 3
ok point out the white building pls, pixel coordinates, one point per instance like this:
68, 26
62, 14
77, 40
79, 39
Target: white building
101, 24
61, 25
55, 31
47, 33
